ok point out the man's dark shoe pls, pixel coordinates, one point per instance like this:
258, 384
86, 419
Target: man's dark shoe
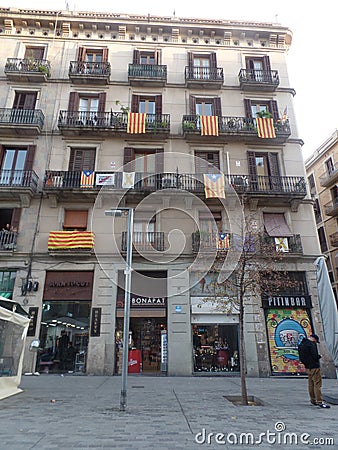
323, 405
313, 402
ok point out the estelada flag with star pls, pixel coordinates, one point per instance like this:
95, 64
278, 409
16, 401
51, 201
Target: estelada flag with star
214, 185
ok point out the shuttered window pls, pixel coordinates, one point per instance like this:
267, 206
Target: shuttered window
207, 162
75, 220
82, 159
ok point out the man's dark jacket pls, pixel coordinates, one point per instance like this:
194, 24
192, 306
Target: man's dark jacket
308, 354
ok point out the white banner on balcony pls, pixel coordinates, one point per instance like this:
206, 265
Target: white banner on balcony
105, 179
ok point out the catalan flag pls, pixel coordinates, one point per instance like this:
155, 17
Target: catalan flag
214, 185
265, 128
209, 125
136, 123
62, 240
87, 179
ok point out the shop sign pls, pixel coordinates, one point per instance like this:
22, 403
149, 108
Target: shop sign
135, 302
72, 285
287, 301
33, 313
95, 326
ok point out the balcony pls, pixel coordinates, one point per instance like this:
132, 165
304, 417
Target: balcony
330, 177
82, 72
8, 240
258, 80
290, 244
18, 185
147, 75
334, 239
204, 77
147, 241
71, 242
27, 70
236, 129
21, 122
210, 242
331, 208
78, 123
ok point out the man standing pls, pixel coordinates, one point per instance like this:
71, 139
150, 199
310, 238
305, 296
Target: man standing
308, 355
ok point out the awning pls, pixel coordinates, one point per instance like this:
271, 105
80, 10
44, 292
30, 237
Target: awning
276, 226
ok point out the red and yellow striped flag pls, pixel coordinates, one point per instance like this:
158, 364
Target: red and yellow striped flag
214, 185
265, 128
209, 125
59, 240
136, 123
87, 179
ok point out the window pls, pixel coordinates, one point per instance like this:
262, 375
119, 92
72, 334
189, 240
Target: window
334, 193
147, 104
312, 185
144, 161
317, 210
144, 231
257, 68
92, 55
82, 159
252, 107
263, 168
207, 162
329, 166
147, 57
24, 100
75, 220
205, 106
11, 217
89, 108
7, 280
34, 52
322, 239
202, 66
14, 161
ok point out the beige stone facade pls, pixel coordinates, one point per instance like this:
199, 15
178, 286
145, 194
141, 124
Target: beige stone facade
68, 82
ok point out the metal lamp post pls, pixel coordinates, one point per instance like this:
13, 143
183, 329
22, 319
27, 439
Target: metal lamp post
118, 213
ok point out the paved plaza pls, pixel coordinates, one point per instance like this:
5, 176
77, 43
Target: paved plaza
81, 412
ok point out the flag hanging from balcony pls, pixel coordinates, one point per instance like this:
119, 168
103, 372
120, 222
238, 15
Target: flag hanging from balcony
281, 244
209, 125
223, 241
214, 185
128, 180
87, 179
265, 128
59, 240
136, 123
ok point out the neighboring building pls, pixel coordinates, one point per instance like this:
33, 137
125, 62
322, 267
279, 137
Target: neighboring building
322, 175
70, 151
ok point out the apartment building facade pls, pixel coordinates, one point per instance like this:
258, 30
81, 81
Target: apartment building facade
101, 111
321, 172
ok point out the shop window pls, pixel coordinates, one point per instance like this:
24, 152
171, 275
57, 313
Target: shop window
215, 348
7, 280
295, 283
75, 220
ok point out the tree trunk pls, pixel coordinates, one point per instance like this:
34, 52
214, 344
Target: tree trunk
242, 357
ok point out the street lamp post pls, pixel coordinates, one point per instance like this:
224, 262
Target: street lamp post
118, 213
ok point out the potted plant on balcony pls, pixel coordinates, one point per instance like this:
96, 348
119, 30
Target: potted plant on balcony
43, 68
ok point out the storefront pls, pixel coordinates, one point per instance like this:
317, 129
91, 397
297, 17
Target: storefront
65, 319
148, 323
215, 332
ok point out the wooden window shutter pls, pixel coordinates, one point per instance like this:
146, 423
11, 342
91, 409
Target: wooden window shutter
88, 159
81, 159
73, 103
159, 160
247, 108
128, 158
201, 164
190, 59
273, 108
158, 105
102, 101
213, 60
252, 164
273, 164
192, 104
158, 57
15, 221
105, 55
135, 101
81, 54
75, 219
136, 57
249, 64
266, 63
2, 150
217, 108
30, 157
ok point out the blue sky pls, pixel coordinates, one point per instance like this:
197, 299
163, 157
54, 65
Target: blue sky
312, 60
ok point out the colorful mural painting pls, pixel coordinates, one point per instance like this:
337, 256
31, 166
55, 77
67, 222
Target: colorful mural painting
286, 328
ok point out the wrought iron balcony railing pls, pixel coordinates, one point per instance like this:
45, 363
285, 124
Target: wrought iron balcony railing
113, 121
27, 117
27, 65
290, 244
19, 179
290, 186
330, 176
150, 71
8, 240
211, 74
95, 69
331, 208
243, 126
259, 77
145, 241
